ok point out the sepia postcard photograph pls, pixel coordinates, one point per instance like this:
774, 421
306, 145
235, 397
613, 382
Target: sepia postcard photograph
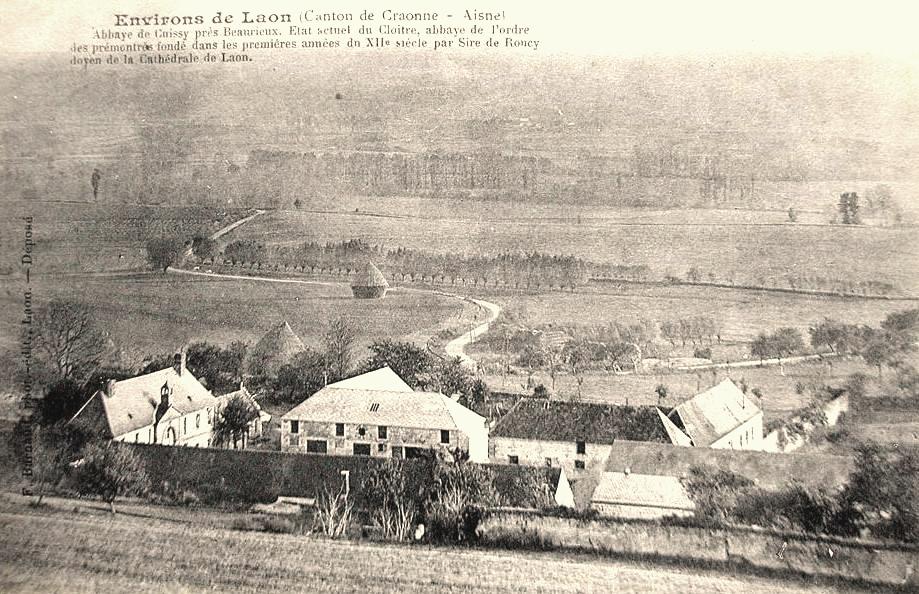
444, 297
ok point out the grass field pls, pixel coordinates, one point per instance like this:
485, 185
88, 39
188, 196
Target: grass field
153, 313
148, 549
752, 247
741, 313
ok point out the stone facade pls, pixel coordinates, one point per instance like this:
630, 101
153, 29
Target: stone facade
312, 437
563, 454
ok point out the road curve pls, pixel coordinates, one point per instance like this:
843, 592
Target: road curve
456, 347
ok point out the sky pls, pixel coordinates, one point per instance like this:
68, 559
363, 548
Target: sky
613, 28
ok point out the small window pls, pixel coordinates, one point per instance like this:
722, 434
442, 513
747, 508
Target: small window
444, 436
316, 446
137, 437
375, 407
582, 447
198, 421
184, 425
362, 431
381, 432
295, 426
381, 447
549, 462
513, 459
579, 464
339, 429
362, 449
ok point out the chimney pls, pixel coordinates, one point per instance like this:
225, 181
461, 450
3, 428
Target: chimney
110, 387
628, 471
178, 362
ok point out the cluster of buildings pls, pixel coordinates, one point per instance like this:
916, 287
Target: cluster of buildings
599, 448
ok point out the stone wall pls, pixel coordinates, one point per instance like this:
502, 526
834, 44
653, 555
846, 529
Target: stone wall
873, 562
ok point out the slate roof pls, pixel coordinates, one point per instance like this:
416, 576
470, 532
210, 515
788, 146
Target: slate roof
545, 420
641, 490
383, 378
423, 410
714, 413
134, 401
370, 276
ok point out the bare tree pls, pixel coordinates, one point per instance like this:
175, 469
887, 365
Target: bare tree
68, 339
338, 339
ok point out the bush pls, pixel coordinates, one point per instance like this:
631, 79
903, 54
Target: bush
705, 353
795, 507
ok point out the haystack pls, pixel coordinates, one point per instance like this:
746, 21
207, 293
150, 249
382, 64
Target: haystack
277, 348
369, 283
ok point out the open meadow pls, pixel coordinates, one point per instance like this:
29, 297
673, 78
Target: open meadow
741, 314
150, 549
744, 246
153, 313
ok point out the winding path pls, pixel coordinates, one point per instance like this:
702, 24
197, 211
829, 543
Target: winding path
455, 348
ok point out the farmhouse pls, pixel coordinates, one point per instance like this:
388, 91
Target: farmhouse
722, 417
377, 414
643, 496
257, 425
572, 435
168, 407
369, 283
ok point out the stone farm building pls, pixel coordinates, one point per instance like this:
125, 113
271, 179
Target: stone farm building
168, 407
369, 283
378, 414
643, 496
721, 417
572, 435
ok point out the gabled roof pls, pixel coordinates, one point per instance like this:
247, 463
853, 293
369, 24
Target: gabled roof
424, 410
550, 420
383, 378
715, 412
133, 402
641, 490
242, 392
676, 435
370, 276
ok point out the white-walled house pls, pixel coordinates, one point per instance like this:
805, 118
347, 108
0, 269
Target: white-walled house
258, 425
377, 414
168, 407
722, 417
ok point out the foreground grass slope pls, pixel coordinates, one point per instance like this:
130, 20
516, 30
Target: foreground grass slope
148, 549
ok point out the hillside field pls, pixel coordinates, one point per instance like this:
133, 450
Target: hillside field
746, 246
154, 313
149, 549
742, 314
